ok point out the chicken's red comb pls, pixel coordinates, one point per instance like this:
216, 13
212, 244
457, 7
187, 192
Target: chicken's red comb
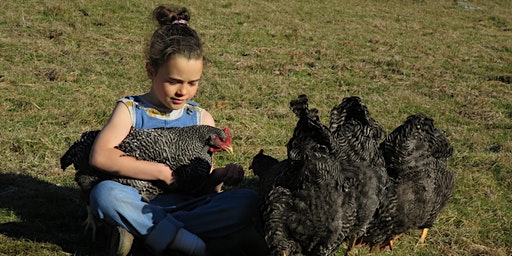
226, 131
228, 141
224, 144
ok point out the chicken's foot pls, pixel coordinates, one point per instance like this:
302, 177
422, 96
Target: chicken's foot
424, 233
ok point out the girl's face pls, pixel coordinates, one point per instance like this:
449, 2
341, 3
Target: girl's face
175, 82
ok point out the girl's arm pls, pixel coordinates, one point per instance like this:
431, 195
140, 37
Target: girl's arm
207, 119
106, 157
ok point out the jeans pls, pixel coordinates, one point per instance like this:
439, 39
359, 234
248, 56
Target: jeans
209, 216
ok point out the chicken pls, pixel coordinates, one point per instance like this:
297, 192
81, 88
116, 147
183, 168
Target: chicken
267, 169
302, 210
416, 155
186, 150
358, 136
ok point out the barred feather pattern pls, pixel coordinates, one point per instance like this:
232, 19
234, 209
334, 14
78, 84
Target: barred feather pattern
416, 155
302, 208
185, 149
358, 136
87, 177
352, 126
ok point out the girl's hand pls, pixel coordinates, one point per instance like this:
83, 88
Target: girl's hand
167, 175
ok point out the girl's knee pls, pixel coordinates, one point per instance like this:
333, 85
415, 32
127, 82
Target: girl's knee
244, 200
107, 195
106, 189
250, 195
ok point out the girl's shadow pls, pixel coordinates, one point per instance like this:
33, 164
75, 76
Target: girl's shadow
45, 213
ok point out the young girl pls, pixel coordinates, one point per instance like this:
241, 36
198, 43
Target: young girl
171, 221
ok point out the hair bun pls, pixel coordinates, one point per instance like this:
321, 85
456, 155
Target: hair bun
166, 15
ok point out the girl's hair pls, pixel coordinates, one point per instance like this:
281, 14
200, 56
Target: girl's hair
173, 37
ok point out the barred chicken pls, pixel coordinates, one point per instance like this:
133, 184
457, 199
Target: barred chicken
358, 136
186, 150
302, 205
416, 155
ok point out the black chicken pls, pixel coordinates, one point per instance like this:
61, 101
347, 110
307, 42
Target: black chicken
267, 169
186, 150
415, 154
358, 136
302, 208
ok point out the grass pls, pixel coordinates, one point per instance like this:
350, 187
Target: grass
64, 63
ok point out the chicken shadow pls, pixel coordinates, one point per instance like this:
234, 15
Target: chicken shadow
46, 213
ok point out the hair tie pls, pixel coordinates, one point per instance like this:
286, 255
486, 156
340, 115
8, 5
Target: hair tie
182, 22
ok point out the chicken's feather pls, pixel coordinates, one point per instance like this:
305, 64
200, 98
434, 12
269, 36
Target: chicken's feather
416, 155
186, 150
302, 210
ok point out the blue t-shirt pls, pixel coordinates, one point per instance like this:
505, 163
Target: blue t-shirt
147, 116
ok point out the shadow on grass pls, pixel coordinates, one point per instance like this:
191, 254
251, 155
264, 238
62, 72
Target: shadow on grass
46, 213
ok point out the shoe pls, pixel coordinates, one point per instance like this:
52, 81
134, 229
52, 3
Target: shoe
120, 242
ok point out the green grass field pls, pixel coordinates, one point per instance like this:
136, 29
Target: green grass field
63, 64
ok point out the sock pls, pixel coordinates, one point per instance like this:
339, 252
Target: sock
189, 243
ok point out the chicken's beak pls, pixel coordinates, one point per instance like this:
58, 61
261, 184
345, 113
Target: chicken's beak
228, 149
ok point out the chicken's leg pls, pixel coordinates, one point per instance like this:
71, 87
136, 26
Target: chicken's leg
386, 245
423, 236
90, 223
354, 242
351, 244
